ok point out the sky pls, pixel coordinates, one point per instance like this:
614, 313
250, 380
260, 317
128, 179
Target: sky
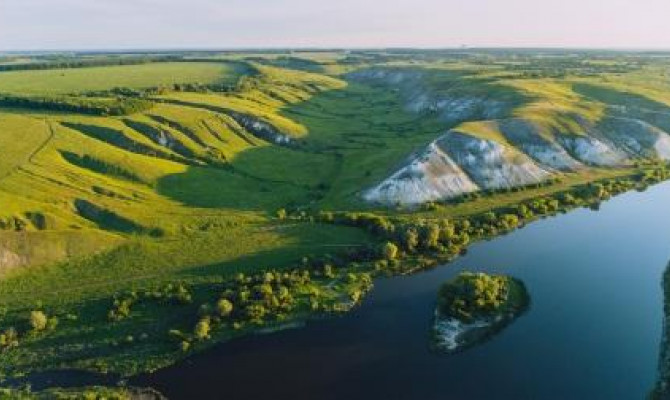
219, 24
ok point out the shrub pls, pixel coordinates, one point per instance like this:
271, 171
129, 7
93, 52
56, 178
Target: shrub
410, 239
52, 323
255, 311
9, 338
202, 329
37, 320
389, 251
224, 307
431, 236
281, 213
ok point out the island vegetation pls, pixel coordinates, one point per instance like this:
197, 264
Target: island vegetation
473, 307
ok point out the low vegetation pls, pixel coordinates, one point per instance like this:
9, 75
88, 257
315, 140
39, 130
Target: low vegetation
473, 307
472, 296
84, 393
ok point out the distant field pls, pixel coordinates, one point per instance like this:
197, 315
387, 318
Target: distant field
76, 80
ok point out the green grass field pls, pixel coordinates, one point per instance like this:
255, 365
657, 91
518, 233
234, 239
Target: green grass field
188, 190
77, 80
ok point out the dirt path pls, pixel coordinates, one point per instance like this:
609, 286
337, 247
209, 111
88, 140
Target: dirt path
31, 156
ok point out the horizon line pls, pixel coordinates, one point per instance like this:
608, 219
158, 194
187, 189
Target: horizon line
149, 49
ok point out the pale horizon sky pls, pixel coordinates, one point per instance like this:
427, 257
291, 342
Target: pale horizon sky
156, 24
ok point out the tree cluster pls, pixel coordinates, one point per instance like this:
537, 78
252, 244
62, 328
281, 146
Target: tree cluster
83, 105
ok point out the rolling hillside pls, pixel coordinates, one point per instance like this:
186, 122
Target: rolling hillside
219, 165
512, 132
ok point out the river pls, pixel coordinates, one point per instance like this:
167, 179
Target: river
592, 332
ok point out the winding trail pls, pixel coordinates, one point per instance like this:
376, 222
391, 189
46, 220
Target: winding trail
30, 158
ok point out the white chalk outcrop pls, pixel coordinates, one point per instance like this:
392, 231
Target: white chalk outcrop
593, 151
526, 135
637, 138
490, 164
455, 164
511, 152
449, 106
430, 175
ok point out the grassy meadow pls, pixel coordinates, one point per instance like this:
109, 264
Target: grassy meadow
78, 80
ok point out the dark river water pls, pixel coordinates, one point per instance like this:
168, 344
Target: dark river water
593, 330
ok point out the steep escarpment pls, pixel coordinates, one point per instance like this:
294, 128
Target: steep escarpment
492, 165
259, 128
500, 139
527, 136
429, 176
637, 138
454, 164
592, 150
452, 103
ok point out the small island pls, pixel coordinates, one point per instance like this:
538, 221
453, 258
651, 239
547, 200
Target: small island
472, 307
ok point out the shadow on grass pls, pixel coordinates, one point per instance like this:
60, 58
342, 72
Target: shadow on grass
111, 221
218, 188
630, 104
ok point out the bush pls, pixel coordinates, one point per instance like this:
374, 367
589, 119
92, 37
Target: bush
38, 320
410, 239
224, 307
255, 312
52, 323
202, 329
281, 213
9, 338
389, 251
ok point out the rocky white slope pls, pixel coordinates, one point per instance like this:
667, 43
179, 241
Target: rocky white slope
455, 164
431, 175
526, 136
524, 152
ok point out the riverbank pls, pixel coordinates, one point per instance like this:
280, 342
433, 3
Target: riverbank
194, 323
594, 281
662, 389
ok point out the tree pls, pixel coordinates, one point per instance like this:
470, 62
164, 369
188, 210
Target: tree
255, 311
52, 323
431, 236
38, 320
389, 251
202, 329
410, 238
446, 232
281, 213
9, 338
224, 307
